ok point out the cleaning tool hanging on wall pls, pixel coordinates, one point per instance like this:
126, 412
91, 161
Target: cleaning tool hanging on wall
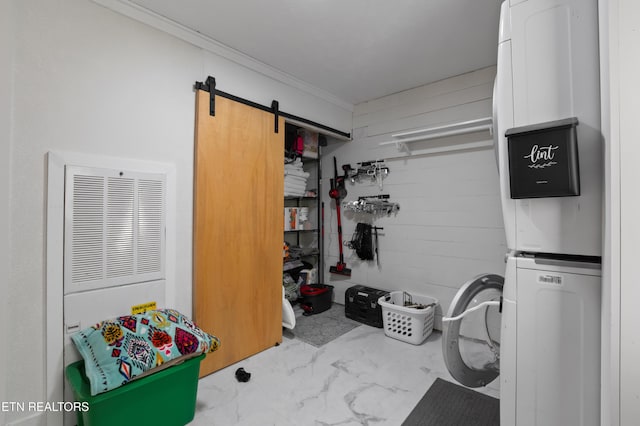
337, 192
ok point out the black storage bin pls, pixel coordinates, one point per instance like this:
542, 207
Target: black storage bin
543, 160
315, 298
361, 304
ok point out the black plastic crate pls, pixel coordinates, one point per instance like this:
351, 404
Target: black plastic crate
361, 304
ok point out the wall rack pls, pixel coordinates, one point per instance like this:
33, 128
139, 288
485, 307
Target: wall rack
453, 129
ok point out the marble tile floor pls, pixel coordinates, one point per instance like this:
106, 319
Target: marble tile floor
361, 378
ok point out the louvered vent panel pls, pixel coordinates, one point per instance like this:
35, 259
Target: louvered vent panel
114, 228
87, 236
120, 204
150, 225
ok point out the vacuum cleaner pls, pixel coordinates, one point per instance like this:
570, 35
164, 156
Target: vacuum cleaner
337, 192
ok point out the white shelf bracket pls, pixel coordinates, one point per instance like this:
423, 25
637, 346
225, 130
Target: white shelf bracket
401, 146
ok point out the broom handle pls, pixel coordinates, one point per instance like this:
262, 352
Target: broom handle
339, 229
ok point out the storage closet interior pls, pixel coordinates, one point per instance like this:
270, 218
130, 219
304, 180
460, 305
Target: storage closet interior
303, 209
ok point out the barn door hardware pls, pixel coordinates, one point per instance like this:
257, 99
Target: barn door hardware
276, 114
210, 86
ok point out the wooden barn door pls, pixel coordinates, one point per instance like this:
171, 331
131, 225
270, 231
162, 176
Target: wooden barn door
238, 229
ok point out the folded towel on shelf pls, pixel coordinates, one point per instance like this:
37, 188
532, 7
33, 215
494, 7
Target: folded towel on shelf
293, 194
293, 186
297, 181
300, 185
296, 173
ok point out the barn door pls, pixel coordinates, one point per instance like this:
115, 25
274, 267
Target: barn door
238, 228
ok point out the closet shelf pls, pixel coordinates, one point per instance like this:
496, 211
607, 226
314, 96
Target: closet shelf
299, 122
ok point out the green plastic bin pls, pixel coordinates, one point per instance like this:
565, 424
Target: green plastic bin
167, 397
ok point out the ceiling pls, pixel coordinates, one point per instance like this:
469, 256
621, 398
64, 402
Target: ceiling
356, 50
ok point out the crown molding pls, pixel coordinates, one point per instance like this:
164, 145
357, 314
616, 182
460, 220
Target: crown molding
138, 13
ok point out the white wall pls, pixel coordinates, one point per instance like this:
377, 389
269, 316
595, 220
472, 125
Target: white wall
89, 80
626, 73
449, 227
6, 37
620, 39
610, 353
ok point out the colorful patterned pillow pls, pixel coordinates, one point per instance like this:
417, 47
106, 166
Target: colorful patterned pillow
119, 350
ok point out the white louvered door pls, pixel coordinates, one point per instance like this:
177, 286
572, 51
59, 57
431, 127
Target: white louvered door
114, 228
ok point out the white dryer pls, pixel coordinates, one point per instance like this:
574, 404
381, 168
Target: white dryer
538, 330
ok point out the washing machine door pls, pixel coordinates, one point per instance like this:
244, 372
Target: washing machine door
471, 331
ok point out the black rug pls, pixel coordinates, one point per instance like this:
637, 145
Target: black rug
448, 404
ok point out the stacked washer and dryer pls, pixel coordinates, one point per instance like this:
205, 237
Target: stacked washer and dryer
538, 328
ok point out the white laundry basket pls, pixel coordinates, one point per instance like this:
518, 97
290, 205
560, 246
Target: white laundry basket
409, 324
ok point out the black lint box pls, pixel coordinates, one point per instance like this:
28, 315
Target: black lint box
543, 160
361, 304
